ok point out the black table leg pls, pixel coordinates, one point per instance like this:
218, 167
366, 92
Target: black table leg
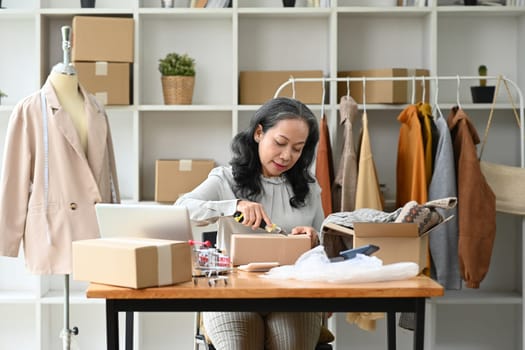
111, 325
419, 332
391, 330
129, 330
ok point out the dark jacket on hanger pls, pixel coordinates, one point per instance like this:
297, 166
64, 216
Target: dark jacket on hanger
476, 202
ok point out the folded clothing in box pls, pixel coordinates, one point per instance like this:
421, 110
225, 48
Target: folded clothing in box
267, 247
132, 262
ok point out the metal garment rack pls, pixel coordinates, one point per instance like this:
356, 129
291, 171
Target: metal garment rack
435, 79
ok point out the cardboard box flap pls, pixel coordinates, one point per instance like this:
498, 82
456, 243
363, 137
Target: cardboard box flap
383, 229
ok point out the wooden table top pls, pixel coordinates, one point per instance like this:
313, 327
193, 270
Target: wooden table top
250, 285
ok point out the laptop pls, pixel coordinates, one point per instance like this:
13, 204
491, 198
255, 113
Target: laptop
144, 220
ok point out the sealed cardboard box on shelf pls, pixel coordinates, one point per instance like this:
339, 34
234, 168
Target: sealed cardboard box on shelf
387, 91
132, 262
267, 247
257, 87
97, 38
174, 177
397, 242
108, 81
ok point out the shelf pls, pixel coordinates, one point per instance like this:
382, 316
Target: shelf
64, 12
284, 12
186, 12
462, 11
75, 297
390, 11
478, 297
185, 108
17, 297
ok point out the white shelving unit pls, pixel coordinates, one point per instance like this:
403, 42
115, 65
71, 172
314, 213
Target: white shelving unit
261, 35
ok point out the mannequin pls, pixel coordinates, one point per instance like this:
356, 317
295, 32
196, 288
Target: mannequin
52, 177
66, 88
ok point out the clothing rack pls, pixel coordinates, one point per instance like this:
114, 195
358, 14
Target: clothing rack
435, 79
421, 79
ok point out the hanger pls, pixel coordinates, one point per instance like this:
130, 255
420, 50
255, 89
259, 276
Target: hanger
436, 104
293, 86
364, 94
322, 102
457, 93
424, 86
65, 67
413, 98
348, 87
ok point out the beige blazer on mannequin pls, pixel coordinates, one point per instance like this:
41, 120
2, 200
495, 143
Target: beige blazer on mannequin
77, 180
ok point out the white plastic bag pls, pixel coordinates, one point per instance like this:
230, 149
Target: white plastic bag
314, 265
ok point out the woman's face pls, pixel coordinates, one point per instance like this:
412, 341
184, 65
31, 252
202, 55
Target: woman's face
281, 146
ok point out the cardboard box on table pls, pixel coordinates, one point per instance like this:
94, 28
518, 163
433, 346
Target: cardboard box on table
257, 87
397, 242
384, 91
267, 247
107, 39
174, 177
108, 81
132, 262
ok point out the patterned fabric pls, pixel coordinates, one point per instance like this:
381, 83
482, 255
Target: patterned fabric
423, 216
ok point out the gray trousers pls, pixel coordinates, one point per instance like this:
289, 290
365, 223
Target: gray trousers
258, 331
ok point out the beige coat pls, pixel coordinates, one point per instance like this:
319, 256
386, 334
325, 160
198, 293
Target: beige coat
77, 181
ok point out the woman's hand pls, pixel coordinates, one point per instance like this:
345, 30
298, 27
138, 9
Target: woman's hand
253, 214
309, 231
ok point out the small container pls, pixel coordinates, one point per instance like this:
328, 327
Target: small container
167, 3
482, 94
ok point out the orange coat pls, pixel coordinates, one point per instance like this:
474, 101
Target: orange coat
324, 169
410, 172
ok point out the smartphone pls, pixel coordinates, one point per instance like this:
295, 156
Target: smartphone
368, 249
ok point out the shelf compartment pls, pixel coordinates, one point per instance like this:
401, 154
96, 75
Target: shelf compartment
168, 135
207, 40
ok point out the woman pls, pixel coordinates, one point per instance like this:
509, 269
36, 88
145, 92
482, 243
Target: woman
269, 179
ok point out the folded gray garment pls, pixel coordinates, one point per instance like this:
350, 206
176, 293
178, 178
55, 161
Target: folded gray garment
426, 215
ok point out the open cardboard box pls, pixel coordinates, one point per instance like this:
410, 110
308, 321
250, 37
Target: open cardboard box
397, 242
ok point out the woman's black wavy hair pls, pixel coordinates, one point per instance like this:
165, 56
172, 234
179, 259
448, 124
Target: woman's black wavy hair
246, 164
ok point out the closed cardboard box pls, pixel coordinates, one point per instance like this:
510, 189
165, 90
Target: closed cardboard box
267, 247
108, 39
387, 91
397, 242
132, 262
108, 81
174, 177
257, 87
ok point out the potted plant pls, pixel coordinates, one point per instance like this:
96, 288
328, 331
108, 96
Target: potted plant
178, 78
2, 94
482, 93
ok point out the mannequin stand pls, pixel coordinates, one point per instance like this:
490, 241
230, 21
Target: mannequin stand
66, 332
